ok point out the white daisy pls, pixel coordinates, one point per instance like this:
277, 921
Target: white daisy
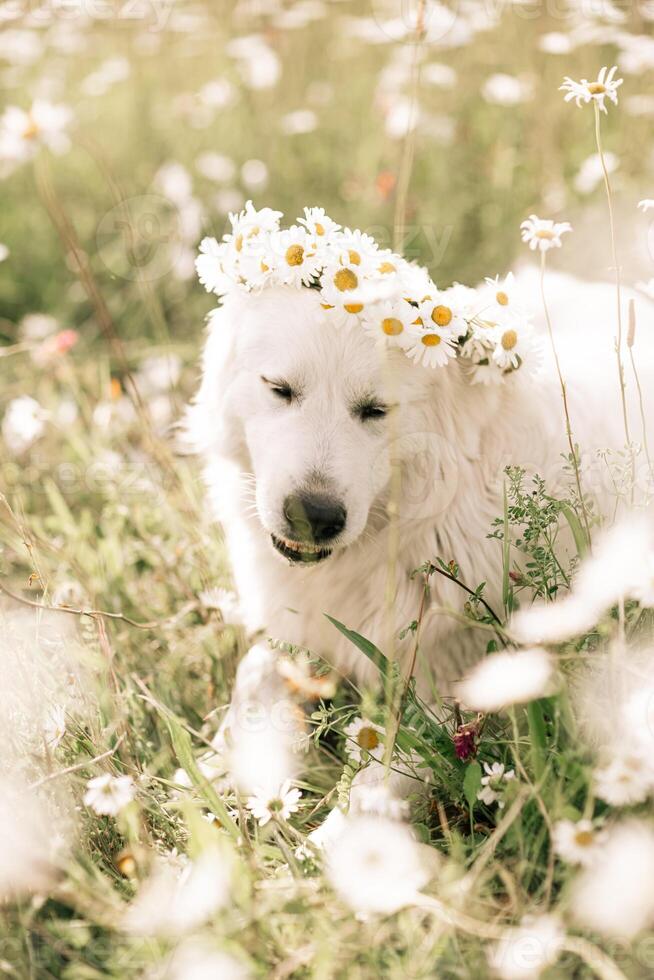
513, 344
543, 233
54, 727
525, 951
108, 795
355, 247
431, 347
627, 779
364, 739
175, 900
615, 894
388, 323
646, 205
502, 679
341, 287
249, 223
605, 87
296, 259
437, 314
577, 842
492, 783
502, 298
216, 266
375, 865
23, 423
319, 225
265, 808
22, 132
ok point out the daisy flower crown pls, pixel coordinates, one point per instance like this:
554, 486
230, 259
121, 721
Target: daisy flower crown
365, 287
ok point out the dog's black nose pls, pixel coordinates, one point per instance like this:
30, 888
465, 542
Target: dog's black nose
314, 518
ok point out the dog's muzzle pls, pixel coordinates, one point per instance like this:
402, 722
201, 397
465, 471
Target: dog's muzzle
313, 522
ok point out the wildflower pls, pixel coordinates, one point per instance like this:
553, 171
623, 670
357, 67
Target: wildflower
621, 566
439, 313
332, 827
178, 899
465, 740
375, 865
23, 132
577, 842
28, 845
389, 322
627, 779
506, 90
54, 346
265, 807
54, 728
197, 960
492, 783
319, 225
430, 347
158, 373
624, 867
296, 260
543, 233
502, 679
376, 799
513, 343
526, 950
23, 424
646, 204
364, 739
108, 795
605, 87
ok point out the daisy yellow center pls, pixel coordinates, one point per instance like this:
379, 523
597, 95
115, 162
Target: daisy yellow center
431, 340
509, 339
392, 326
264, 267
355, 258
353, 307
502, 298
368, 739
345, 279
294, 255
238, 244
386, 267
442, 315
326, 306
545, 233
596, 88
584, 838
319, 229
31, 130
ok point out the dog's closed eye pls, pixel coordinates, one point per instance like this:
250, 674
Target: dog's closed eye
370, 410
281, 389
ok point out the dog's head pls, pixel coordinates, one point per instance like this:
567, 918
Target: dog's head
314, 417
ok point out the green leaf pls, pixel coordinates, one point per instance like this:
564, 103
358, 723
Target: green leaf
472, 783
365, 646
578, 533
184, 751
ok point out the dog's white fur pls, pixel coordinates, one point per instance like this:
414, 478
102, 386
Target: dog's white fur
450, 440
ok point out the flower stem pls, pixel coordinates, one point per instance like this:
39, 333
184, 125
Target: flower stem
568, 424
618, 289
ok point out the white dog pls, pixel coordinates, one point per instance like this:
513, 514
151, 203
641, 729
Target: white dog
305, 429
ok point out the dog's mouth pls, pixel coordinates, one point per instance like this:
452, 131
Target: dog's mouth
299, 553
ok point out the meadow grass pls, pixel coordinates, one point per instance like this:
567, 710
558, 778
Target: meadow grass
104, 515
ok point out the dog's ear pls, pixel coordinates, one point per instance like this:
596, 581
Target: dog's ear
209, 426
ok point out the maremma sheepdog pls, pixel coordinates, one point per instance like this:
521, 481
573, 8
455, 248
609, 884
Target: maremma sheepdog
310, 434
